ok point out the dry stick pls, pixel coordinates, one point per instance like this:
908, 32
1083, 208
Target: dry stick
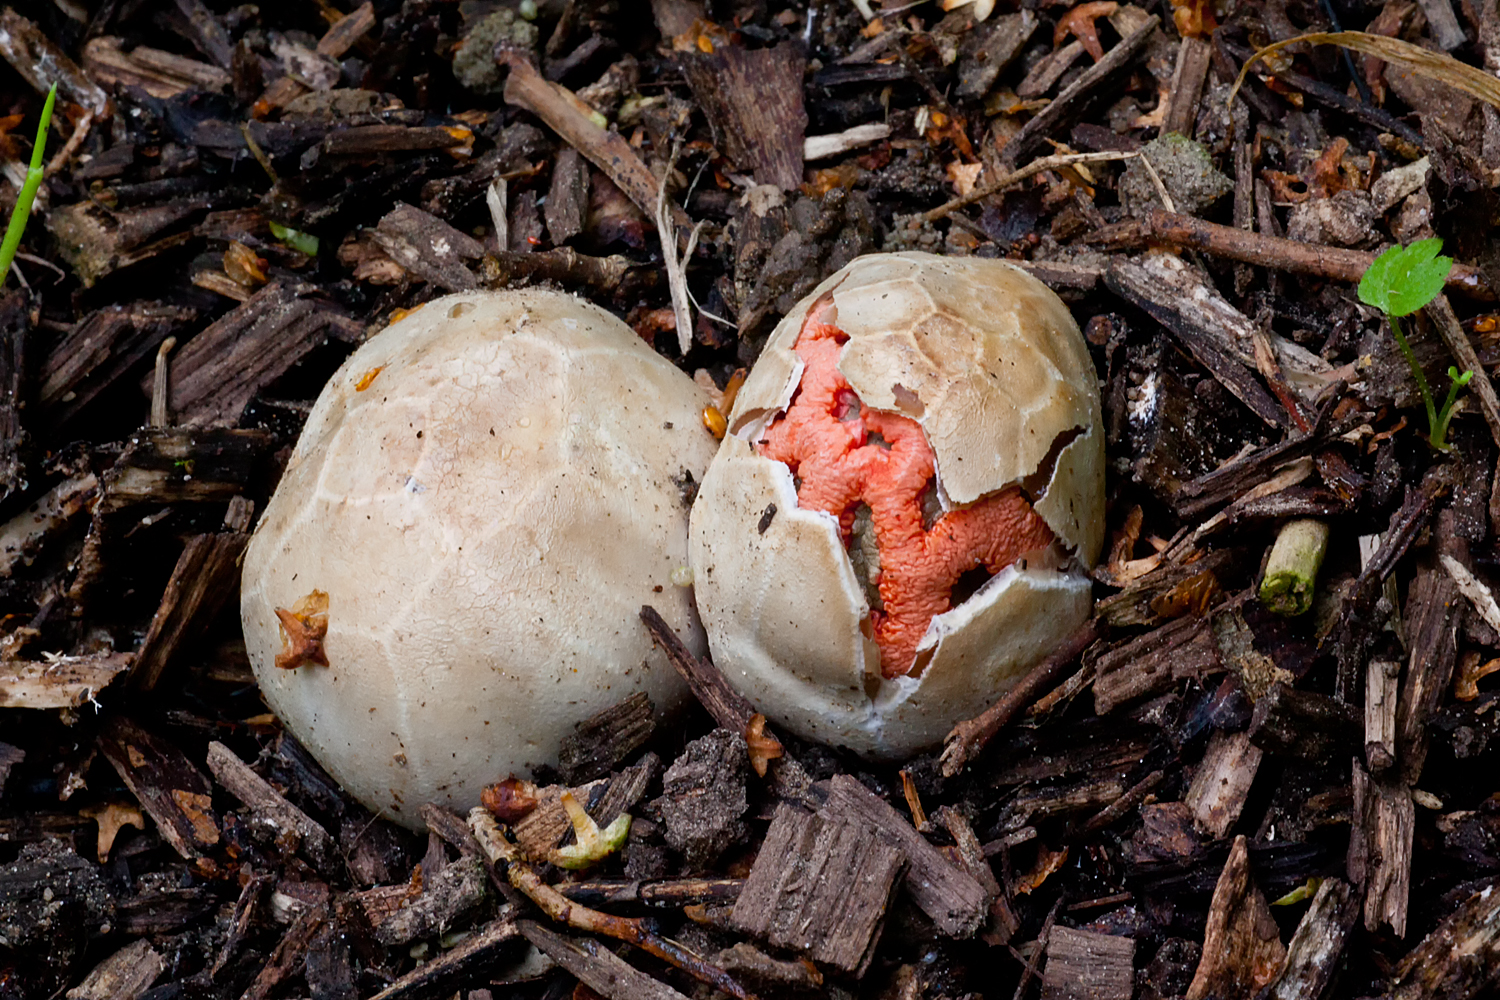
727, 706
1294, 256
1441, 313
1017, 176
1133, 797
570, 118
498, 848
970, 736
1079, 93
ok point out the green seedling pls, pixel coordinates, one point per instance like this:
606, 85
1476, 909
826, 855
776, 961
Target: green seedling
593, 844
22, 212
1398, 283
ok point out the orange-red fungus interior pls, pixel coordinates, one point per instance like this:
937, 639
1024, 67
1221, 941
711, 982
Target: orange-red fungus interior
846, 454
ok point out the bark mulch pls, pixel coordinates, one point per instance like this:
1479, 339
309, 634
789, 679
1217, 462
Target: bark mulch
1193, 797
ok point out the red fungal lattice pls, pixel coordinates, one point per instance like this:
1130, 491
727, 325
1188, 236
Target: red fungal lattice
846, 454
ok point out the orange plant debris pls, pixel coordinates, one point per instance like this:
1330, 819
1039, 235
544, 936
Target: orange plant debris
847, 454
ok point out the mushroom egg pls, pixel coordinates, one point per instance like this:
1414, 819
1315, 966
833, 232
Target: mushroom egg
900, 519
450, 573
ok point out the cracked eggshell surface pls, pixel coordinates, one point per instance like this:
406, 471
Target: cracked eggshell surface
487, 491
991, 365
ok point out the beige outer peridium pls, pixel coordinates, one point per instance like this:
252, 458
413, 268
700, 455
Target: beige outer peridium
487, 516
991, 364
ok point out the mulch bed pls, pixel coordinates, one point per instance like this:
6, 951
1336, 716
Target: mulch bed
1193, 797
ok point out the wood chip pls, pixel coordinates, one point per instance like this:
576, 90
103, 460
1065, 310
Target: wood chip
1087, 965
173, 792
60, 682
429, 248
220, 370
1383, 823
753, 101
596, 967
1315, 955
269, 805
1222, 782
820, 886
124, 975
953, 898
1242, 950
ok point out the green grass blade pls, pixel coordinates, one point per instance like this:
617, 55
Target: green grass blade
22, 212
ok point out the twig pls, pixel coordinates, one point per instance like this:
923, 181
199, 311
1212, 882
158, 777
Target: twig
968, 738
498, 848
161, 415
1017, 176
727, 706
570, 118
1474, 589
1161, 228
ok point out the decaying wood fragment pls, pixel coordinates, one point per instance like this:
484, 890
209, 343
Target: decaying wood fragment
400, 914
1382, 680
1316, 950
570, 118
753, 101
600, 969
182, 465
101, 349
124, 975
727, 706
1242, 950
820, 886
205, 578
287, 957
268, 805
1088, 965
1433, 611
663, 894
607, 739
1277, 253
1193, 58
567, 196
1077, 96
1219, 336
160, 74
563, 265
221, 369
59, 682
953, 898
969, 737
1382, 825
1151, 663
1222, 782
1292, 722
1458, 960
475, 956
173, 792
41, 63
429, 248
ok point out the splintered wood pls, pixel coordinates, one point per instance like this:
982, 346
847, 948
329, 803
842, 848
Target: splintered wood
820, 886
1242, 948
1087, 965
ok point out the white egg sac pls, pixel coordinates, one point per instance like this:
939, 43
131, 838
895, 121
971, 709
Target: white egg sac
899, 522
450, 573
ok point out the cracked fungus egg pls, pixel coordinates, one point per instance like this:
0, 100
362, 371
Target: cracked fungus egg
450, 573
898, 523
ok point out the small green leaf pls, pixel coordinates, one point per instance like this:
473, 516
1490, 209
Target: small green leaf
296, 239
1403, 280
1457, 378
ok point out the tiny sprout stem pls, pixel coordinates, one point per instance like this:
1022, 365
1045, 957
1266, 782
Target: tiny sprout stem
21, 213
1440, 427
1416, 370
